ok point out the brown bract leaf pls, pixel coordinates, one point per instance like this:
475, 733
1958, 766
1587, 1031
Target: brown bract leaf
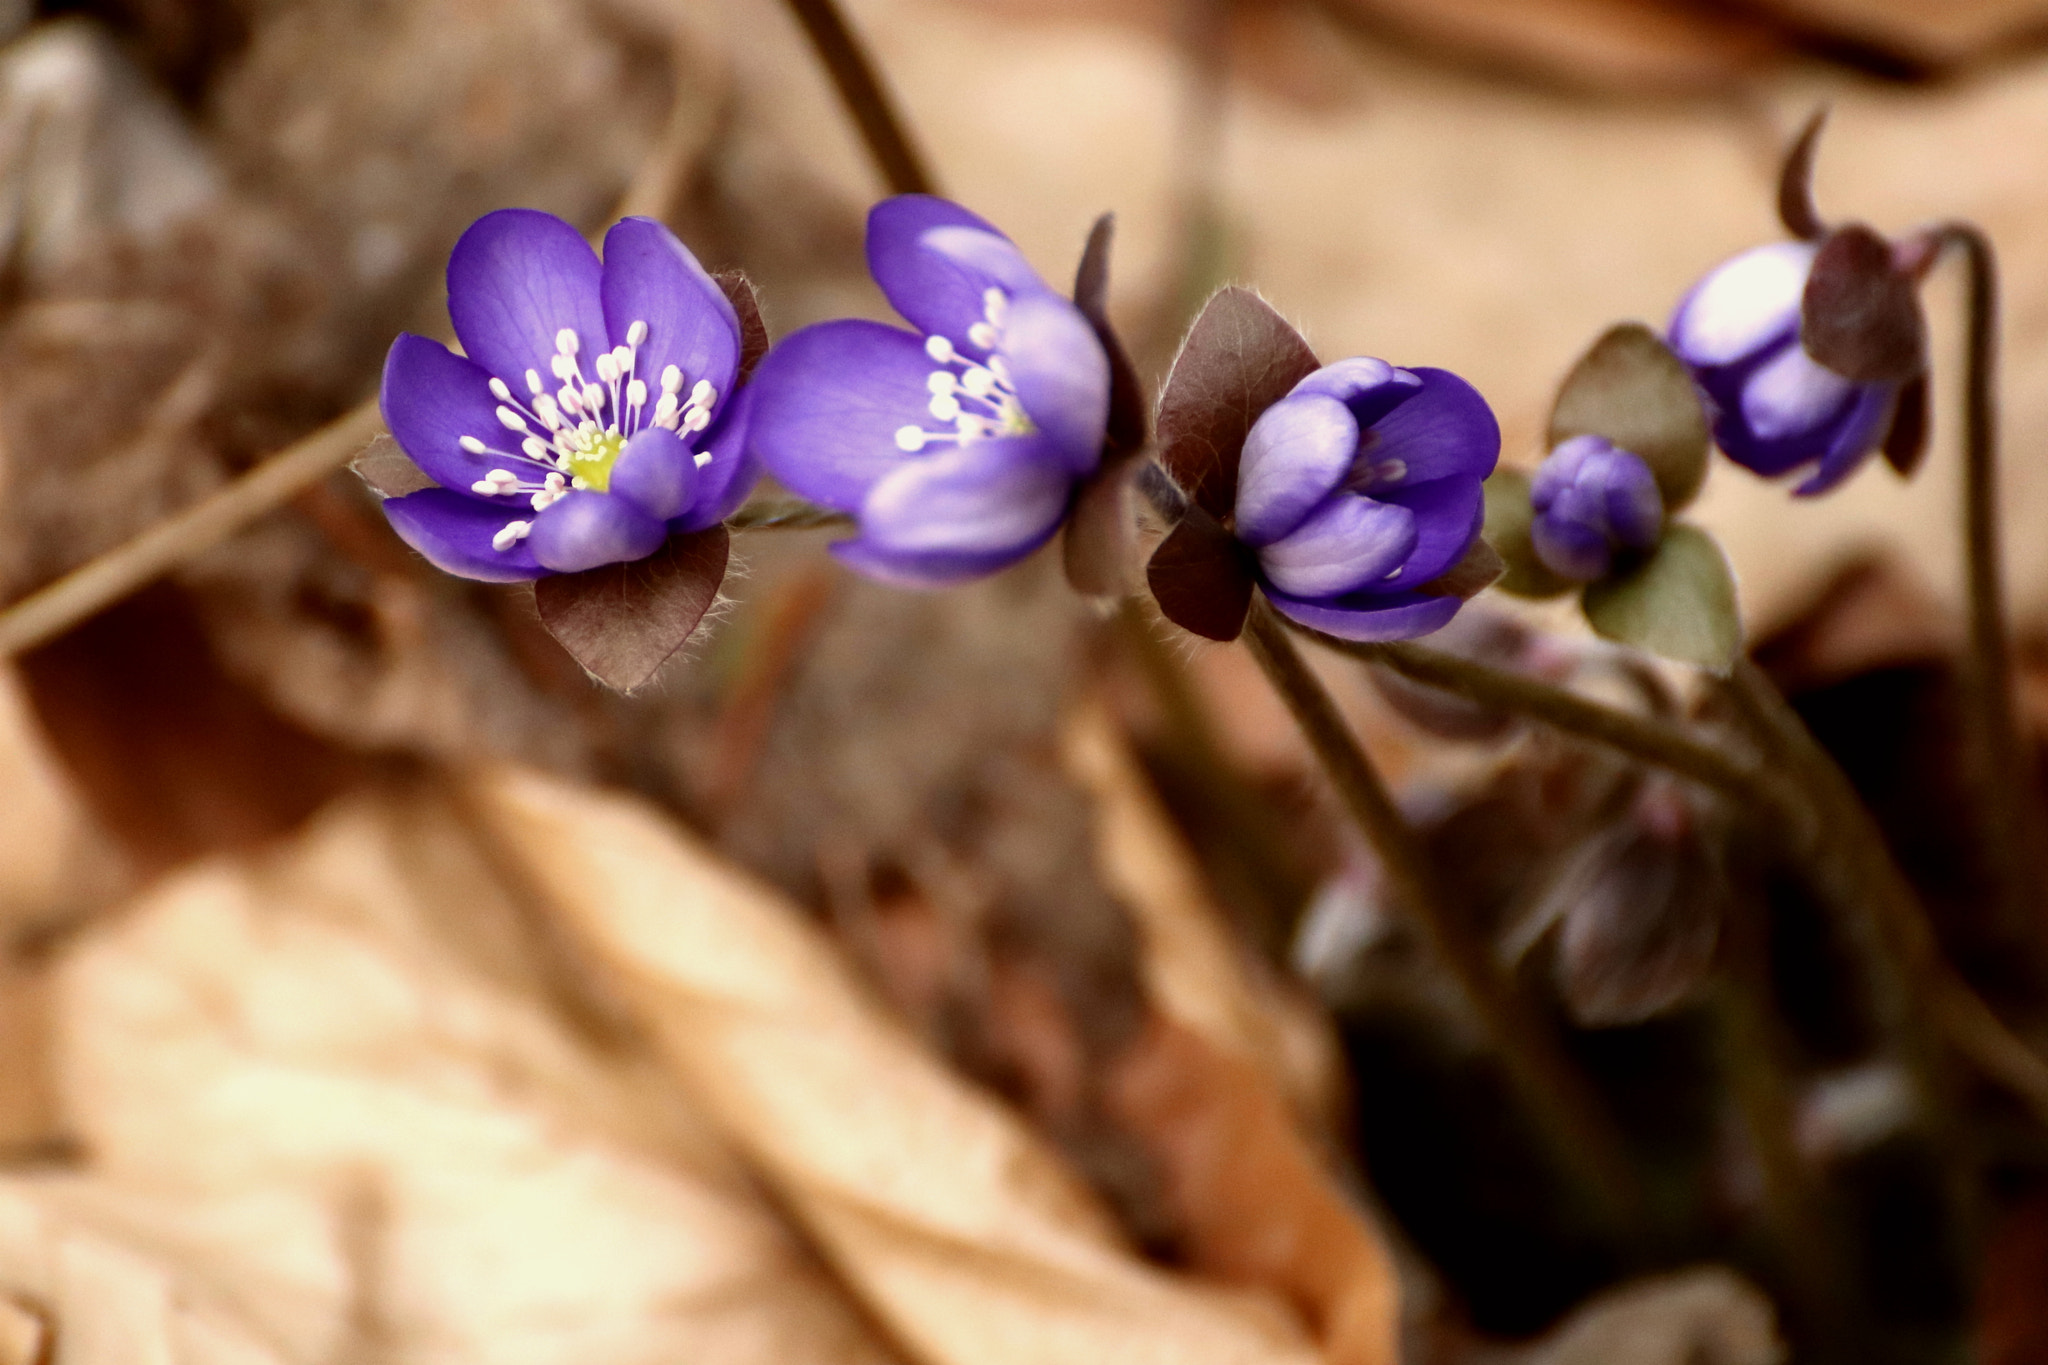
623, 621
1861, 316
1200, 578
388, 470
1240, 358
1126, 433
1905, 444
1796, 208
1629, 388
1480, 568
739, 291
1100, 534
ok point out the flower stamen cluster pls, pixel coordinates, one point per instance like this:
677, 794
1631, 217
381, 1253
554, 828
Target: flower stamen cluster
986, 383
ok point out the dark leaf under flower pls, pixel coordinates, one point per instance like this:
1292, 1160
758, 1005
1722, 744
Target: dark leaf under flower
1201, 578
1861, 314
1631, 389
1240, 358
1678, 603
623, 621
1481, 567
739, 291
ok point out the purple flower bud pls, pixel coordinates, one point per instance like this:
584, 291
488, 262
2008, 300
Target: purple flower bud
1359, 488
957, 445
1592, 498
1775, 407
592, 415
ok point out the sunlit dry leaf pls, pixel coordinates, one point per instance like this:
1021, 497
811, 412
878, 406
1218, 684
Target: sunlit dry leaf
622, 622
962, 1233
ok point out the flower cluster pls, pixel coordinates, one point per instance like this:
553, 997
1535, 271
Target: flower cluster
592, 415
957, 446
1359, 488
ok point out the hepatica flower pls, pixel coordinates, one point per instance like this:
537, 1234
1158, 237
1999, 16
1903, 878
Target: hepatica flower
1591, 498
1359, 488
593, 414
958, 445
1775, 408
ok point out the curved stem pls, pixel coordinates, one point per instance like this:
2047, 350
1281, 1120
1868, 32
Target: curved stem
1557, 1094
784, 514
1999, 751
860, 87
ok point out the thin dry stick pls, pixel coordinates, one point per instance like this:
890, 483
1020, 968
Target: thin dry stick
860, 87
99, 583
1557, 1094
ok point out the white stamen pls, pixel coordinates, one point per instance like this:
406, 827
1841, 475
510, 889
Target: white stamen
608, 368
671, 379
579, 482
636, 393
636, 334
1392, 471
550, 412
702, 457
564, 368
535, 448
533, 384
994, 306
555, 483
910, 439
512, 420
566, 342
593, 398
514, 532
939, 349
622, 356
502, 390
941, 381
665, 411
982, 335
696, 419
702, 395
1000, 370
945, 407
978, 382
472, 445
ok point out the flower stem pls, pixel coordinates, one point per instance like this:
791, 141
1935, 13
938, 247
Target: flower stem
1560, 1098
2001, 756
1808, 831
784, 514
845, 59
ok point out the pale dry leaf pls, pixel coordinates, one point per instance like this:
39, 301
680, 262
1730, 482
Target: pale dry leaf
343, 1084
963, 1233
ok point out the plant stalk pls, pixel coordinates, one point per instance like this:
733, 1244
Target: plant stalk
854, 75
1557, 1094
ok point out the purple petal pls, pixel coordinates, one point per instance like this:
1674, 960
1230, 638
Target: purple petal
587, 530
1001, 497
1445, 430
1570, 548
651, 277
1745, 305
1793, 394
920, 570
1633, 505
1448, 513
1389, 616
725, 481
432, 398
827, 405
1349, 542
455, 532
937, 283
1861, 431
518, 277
1298, 451
1370, 388
1061, 375
658, 471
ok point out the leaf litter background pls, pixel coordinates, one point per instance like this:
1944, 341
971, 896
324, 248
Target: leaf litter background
898, 978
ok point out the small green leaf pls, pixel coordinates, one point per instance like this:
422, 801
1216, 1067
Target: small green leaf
1507, 529
1632, 390
1679, 603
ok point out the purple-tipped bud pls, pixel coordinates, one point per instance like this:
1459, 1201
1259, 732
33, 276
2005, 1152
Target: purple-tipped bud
1775, 408
1591, 499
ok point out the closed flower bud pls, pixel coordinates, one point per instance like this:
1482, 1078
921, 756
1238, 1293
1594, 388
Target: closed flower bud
1776, 408
1591, 499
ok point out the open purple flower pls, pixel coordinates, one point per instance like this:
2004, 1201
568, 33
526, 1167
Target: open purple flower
957, 446
1361, 486
593, 415
1592, 498
1775, 408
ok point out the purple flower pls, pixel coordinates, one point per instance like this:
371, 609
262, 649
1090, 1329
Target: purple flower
957, 446
1592, 498
594, 414
1775, 408
1361, 486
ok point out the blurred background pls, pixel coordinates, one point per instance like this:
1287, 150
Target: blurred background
975, 977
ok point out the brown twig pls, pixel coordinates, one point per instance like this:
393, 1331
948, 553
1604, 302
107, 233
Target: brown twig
867, 100
1562, 1101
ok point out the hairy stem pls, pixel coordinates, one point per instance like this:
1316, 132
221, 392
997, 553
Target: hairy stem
784, 514
867, 100
1557, 1094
